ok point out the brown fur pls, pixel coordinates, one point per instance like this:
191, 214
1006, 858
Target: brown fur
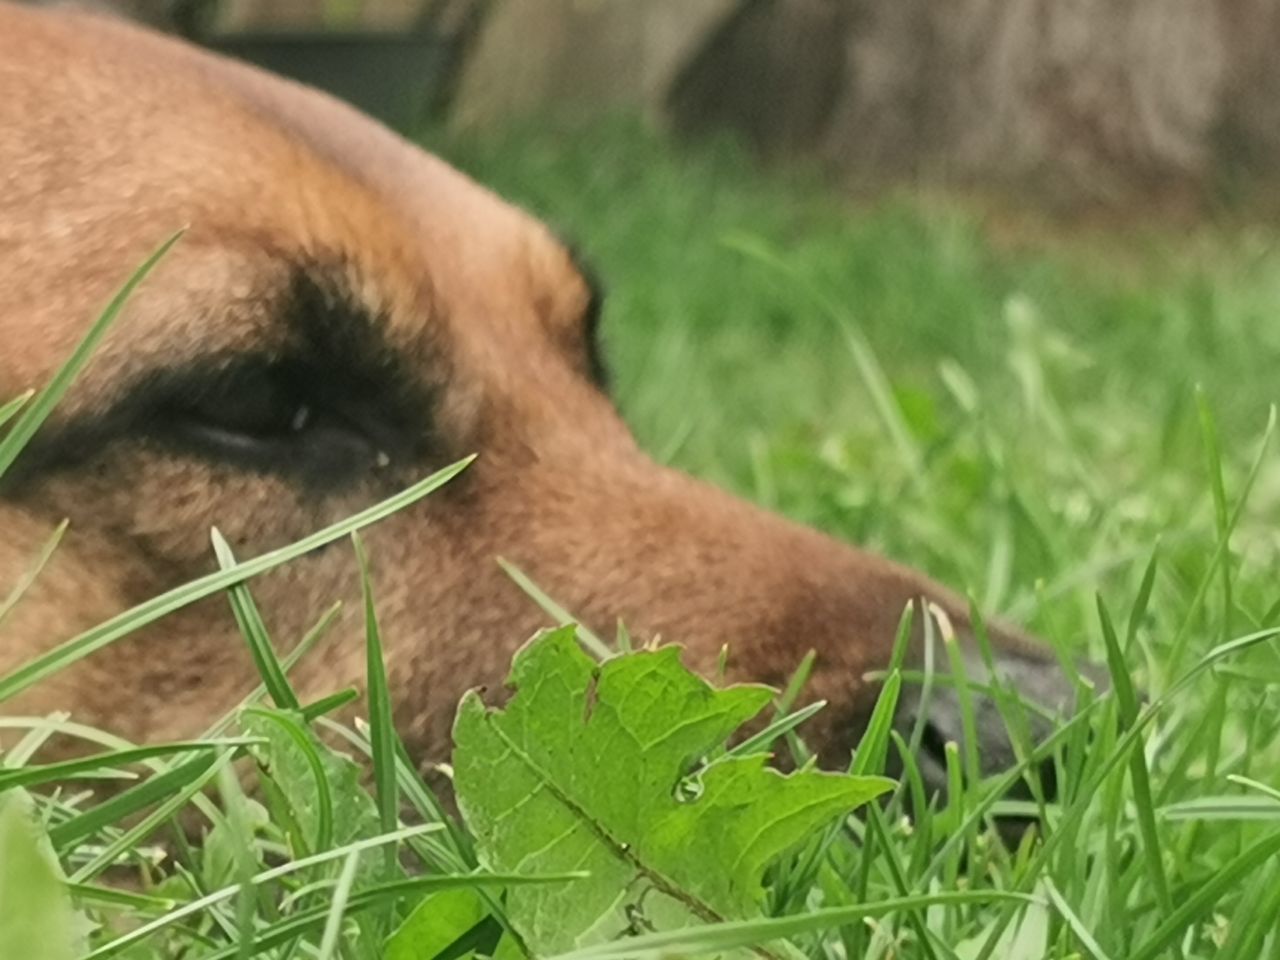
112, 138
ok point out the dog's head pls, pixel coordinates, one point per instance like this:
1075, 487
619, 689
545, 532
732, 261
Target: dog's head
344, 314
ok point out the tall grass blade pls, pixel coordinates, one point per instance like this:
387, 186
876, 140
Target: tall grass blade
38, 409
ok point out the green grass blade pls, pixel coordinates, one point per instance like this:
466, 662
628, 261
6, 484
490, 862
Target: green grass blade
313, 636
301, 739
1077, 926
1253, 918
39, 774
1204, 898
382, 731
338, 907
37, 411
964, 693
559, 614
1222, 808
798, 680
111, 896
796, 683
714, 938
198, 906
28, 578
1221, 553
9, 409
1142, 602
1127, 700
873, 747
381, 895
326, 705
254, 631
194, 778
128, 803
762, 741
916, 915
1252, 784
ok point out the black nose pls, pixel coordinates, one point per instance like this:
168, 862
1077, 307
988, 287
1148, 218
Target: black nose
931, 715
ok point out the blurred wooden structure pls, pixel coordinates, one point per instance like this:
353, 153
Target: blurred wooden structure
1085, 100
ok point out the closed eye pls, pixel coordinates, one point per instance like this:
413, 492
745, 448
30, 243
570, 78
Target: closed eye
272, 416
332, 403
322, 427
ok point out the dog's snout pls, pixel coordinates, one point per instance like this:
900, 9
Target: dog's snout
1011, 707
701, 568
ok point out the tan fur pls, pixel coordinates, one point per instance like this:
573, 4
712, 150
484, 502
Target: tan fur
110, 140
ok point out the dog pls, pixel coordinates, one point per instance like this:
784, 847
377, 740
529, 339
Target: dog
344, 314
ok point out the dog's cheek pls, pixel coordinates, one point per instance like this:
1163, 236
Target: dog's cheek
84, 582
162, 507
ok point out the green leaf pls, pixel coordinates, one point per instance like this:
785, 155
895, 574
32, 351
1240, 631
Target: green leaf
437, 922
321, 786
37, 920
595, 767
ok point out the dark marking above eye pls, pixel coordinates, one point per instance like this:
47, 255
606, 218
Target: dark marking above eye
335, 402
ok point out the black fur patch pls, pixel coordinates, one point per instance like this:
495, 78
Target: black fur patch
597, 364
337, 401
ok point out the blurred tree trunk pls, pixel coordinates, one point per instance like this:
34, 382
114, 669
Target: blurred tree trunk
1248, 133
773, 72
581, 54
1103, 100
1093, 98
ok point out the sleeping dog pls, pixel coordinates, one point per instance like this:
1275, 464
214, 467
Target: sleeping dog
344, 314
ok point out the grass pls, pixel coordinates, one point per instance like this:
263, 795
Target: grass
1078, 433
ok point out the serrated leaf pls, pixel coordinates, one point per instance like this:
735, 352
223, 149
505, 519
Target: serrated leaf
37, 919
588, 768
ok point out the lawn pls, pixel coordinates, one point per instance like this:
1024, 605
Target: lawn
1070, 424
